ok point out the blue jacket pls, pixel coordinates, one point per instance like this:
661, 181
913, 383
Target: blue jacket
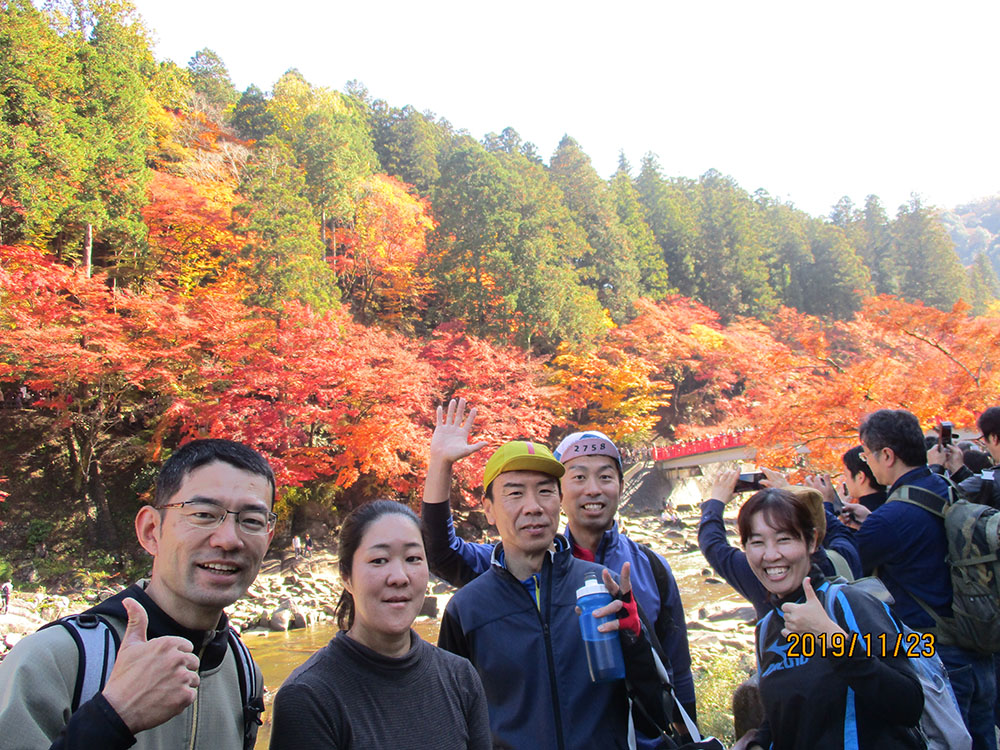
731, 562
908, 547
459, 562
530, 656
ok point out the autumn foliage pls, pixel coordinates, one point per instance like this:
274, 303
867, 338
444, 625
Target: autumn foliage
312, 272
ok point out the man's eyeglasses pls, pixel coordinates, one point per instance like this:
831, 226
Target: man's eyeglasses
209, 516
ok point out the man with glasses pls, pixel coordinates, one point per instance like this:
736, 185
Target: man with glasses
179, 676
906, 546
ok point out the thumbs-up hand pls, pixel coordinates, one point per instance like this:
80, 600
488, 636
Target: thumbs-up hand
152, 680
808, 617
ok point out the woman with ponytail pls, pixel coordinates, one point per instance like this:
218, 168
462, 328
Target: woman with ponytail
377, 683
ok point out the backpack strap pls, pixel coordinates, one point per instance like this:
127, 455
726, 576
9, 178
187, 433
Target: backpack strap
253, 701
840, 564
985, 496
922, 498
932, 503
97, 643
662, 579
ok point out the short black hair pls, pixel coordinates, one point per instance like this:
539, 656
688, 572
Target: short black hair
976, 460
854, 464
989, 422
897, 429
197, 453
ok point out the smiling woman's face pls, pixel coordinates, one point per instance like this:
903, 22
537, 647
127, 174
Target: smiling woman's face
779, 558
388, 580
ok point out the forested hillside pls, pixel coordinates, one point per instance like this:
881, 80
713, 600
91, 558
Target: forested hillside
975, 230
312, 270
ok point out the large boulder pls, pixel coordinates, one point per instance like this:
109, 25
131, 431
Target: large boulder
280, 620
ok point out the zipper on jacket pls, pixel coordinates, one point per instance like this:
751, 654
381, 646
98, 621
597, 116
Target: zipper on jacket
197, 698
547, 637
546, 633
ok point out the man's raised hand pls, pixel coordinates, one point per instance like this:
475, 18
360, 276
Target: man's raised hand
152, 680
452, 428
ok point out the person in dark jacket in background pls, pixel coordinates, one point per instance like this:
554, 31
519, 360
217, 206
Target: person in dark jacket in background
862, 486
907, 546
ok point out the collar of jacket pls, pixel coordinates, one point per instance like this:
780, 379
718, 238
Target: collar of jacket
559, 545
209, 645
608, 541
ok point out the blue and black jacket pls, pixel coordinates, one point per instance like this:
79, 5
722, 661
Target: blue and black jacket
527, 647
459, 562
868, 699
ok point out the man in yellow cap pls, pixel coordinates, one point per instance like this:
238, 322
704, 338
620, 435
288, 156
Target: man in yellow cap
517, 622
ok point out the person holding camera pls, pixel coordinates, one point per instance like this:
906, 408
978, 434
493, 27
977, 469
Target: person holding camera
820, 686
984, 487
731, 562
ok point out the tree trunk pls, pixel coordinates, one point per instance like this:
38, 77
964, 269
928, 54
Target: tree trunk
107, 534
88, 249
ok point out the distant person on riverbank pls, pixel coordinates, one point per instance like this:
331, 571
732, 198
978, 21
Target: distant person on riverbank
591, 491
297, 546
377, 684
5, 592
308, 545
181, 677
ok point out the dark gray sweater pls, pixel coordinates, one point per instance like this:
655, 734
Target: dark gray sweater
348, 696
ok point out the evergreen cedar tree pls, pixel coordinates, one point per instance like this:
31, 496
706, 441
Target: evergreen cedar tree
288, 269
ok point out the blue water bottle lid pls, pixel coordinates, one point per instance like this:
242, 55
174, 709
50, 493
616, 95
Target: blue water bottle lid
591, 586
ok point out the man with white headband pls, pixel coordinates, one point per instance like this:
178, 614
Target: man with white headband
591, 492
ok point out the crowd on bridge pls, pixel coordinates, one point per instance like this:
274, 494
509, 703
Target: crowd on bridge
878, 615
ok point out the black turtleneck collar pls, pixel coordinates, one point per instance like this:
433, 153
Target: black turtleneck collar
211, 644
816, 578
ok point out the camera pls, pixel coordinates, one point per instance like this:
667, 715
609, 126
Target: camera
944, 434
749, 481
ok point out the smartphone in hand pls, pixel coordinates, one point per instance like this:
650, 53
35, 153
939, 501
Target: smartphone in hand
944, 435
749, 481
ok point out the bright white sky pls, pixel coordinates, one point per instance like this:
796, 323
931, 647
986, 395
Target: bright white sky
808, 100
